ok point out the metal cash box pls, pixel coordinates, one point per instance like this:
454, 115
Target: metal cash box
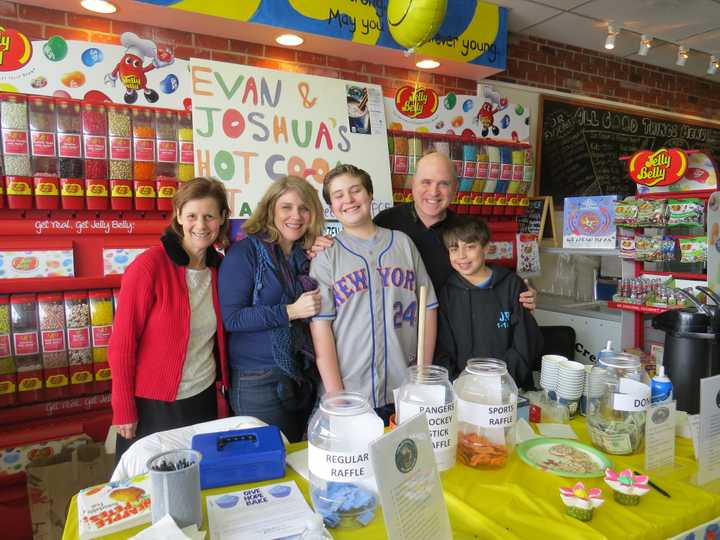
240, 456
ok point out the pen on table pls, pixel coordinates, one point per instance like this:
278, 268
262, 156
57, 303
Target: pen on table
657, 488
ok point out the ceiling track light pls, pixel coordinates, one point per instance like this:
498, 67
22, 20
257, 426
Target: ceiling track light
645, 44
683, 54
613, 31
714, 65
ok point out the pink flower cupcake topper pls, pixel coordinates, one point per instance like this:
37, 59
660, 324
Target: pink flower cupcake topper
581, 502
627, 487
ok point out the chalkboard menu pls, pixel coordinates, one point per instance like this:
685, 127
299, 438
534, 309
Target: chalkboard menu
534, 218
581, 143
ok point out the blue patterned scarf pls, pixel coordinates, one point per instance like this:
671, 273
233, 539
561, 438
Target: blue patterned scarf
291, 345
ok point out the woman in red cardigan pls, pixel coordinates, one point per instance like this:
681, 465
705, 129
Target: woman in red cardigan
167, 349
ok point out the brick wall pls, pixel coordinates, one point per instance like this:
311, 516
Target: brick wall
546, 64
531, 61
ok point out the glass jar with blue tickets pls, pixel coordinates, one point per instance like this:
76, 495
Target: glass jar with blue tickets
342, 483
617, 400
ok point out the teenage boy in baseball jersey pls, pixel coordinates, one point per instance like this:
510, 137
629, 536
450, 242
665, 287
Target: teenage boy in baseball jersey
365, 335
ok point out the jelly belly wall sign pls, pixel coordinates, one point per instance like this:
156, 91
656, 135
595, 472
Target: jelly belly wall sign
472, 31
662, 170
253, 126
488, 114
137, 71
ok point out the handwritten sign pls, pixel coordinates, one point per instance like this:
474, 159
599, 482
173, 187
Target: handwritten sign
253, 126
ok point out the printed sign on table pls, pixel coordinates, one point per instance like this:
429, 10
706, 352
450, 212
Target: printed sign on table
253, 126
589, 222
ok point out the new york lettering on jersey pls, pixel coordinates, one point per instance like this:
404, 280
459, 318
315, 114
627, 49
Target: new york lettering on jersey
356, 282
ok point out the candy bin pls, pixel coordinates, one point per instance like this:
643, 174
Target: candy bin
186, 166
51, 315
143, 126
101, 318
70, 162
167, 143
616, 417
427, 389
26, 347
8, 375
80, 359
16, 151
341, 476
487, 410
94, 120
121, 166
42, 149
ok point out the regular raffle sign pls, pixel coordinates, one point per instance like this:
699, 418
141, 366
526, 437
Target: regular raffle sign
253, 126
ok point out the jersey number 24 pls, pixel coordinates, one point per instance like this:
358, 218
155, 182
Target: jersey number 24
401, 315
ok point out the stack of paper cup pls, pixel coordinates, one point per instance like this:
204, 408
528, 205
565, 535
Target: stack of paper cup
549, 371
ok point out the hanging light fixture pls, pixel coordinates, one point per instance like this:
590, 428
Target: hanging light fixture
611, 35
714, 65
683, 53
645, 44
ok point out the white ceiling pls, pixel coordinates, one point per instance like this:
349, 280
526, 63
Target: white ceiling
583, 23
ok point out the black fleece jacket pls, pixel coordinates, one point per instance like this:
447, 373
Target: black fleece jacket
487, 323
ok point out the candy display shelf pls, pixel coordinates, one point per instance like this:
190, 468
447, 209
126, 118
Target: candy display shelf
459, 138
638, 308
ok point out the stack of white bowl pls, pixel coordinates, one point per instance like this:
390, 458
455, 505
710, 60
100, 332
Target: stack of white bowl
570, 381
549, 371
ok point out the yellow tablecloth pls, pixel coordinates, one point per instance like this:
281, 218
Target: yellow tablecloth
520, 502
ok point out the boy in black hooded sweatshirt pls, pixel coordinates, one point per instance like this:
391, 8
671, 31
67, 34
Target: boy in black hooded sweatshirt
480, 316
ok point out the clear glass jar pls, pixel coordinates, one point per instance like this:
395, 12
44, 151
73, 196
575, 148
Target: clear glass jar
342, 484
487, 410
618, 397
427, 389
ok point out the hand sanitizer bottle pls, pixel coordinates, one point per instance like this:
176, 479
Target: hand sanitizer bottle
661, 387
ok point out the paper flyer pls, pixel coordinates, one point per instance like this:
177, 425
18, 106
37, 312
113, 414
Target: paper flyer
252, 514
409, 484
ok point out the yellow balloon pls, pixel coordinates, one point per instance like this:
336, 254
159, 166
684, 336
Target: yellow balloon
413, 22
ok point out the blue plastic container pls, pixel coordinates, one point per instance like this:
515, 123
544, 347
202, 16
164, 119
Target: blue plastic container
240, 456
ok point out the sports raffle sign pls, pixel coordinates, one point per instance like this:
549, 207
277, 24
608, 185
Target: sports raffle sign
253, 126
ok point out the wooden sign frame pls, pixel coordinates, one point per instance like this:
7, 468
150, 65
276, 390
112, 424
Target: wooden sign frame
548, 211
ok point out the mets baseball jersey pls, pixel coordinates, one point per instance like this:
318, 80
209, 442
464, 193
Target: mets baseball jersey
370, 290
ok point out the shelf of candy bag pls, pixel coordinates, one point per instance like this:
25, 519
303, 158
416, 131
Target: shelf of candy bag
666, 211
683, 214
53, 345
61, 153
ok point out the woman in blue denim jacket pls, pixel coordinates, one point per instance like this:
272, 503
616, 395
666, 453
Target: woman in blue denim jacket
266, 299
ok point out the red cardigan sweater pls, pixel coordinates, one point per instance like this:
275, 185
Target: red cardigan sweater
152, 328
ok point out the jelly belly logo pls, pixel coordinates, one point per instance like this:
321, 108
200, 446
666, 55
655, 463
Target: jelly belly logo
416, 102
660, 168
15, 49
